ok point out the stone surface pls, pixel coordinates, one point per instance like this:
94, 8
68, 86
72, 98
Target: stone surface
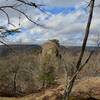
50, 53
50, 48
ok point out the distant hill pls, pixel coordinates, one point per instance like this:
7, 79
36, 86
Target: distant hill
76, 49
4, 50
37, 48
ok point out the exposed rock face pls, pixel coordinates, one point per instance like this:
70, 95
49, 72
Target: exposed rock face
50, 51
88, 88
49, 62
51, 48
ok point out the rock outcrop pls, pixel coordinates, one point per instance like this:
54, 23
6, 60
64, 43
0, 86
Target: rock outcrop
50, 53
50, 48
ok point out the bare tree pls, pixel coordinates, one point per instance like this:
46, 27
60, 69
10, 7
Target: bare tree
16, 7
79, 67
15, 72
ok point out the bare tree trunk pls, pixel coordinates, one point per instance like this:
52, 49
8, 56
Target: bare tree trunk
78, 66
14, 83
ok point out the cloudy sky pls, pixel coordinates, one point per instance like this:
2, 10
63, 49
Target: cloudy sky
65, 20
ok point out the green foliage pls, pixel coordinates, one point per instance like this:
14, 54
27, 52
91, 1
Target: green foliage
47, 76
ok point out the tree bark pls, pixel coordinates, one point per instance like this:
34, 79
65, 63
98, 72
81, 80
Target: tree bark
14, 83
69, 87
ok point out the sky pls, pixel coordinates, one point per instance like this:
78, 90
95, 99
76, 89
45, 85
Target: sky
64, 20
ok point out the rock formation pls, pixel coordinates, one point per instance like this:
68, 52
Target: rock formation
50, 52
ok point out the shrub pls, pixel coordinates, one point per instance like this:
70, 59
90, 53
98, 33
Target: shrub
47, 77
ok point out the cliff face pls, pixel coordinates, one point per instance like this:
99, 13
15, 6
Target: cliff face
50, 48
50, 53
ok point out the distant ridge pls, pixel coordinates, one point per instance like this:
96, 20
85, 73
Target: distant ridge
37, 48
76, 49
4, 50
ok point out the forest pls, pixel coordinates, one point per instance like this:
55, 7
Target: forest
49, 50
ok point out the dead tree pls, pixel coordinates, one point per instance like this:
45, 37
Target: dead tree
79, 67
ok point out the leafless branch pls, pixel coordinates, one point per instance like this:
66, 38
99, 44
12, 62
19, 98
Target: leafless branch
8, 18
32, 4
4, 32
78, 66
12, 7
18, 4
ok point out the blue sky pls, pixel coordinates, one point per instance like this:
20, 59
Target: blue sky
57, 10
66, 22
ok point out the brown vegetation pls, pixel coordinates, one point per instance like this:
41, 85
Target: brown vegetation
89, 87
26, 68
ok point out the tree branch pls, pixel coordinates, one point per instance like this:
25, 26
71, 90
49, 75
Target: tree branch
78, 66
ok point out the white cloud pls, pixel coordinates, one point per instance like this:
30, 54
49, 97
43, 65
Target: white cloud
68, 28
63, 3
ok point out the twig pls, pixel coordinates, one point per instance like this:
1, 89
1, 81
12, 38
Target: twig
78, 66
